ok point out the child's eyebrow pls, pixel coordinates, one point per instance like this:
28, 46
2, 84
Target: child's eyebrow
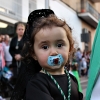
44, 42
60, 40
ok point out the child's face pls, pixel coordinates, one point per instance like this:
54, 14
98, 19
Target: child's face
51, 42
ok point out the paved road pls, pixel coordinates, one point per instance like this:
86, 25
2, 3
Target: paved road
84, 85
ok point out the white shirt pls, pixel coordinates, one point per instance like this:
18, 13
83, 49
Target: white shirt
78, 55
84, 63
96, 91
7, 55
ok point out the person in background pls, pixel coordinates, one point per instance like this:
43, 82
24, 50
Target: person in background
2, 60
2, 65
6, 45
51, 45
27, 70
3, 37
83, 65
74, 71
78, 56
15, 49
88, 61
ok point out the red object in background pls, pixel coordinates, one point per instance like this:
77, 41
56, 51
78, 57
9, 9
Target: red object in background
83, 10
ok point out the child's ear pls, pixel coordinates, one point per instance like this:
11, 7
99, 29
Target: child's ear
34, 56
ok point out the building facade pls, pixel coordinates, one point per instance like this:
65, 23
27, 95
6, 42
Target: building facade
81, 15
88, 12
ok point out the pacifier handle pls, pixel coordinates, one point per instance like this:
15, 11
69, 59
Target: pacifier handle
56, 60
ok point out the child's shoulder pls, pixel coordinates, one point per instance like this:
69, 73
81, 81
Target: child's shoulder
73, 78
38, 80
43, 78
39, 77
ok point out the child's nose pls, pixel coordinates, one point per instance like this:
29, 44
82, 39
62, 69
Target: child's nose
53, 51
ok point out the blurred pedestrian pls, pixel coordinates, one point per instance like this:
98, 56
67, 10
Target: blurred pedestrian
83, 65
2, 65
6, 45
3, 37
88, 61
27, 70
74, 71
78, 56
16, 46
2, 60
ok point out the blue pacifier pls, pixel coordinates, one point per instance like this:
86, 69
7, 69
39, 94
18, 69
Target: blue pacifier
55, 60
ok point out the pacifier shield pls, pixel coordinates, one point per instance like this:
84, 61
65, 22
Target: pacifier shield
55, 60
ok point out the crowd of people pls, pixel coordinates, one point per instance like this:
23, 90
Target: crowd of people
83, 61
5, 59
10, 57
5, 56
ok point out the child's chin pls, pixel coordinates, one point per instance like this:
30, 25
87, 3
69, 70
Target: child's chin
54, 67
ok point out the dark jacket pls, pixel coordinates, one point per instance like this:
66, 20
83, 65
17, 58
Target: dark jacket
27, 70
13, 49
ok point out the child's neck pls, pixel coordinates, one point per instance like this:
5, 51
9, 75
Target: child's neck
55, 72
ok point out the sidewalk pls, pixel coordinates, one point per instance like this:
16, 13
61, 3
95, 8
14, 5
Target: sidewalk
84, 81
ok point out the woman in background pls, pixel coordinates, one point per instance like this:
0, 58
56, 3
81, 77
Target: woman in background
16, 46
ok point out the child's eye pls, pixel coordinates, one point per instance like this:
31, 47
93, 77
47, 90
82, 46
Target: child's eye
45, 47
59, 45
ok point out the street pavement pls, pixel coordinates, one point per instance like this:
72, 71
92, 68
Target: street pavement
84, 81
83, 84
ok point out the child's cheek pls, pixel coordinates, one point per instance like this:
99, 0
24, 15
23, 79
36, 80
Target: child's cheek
65, 58
43, 60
